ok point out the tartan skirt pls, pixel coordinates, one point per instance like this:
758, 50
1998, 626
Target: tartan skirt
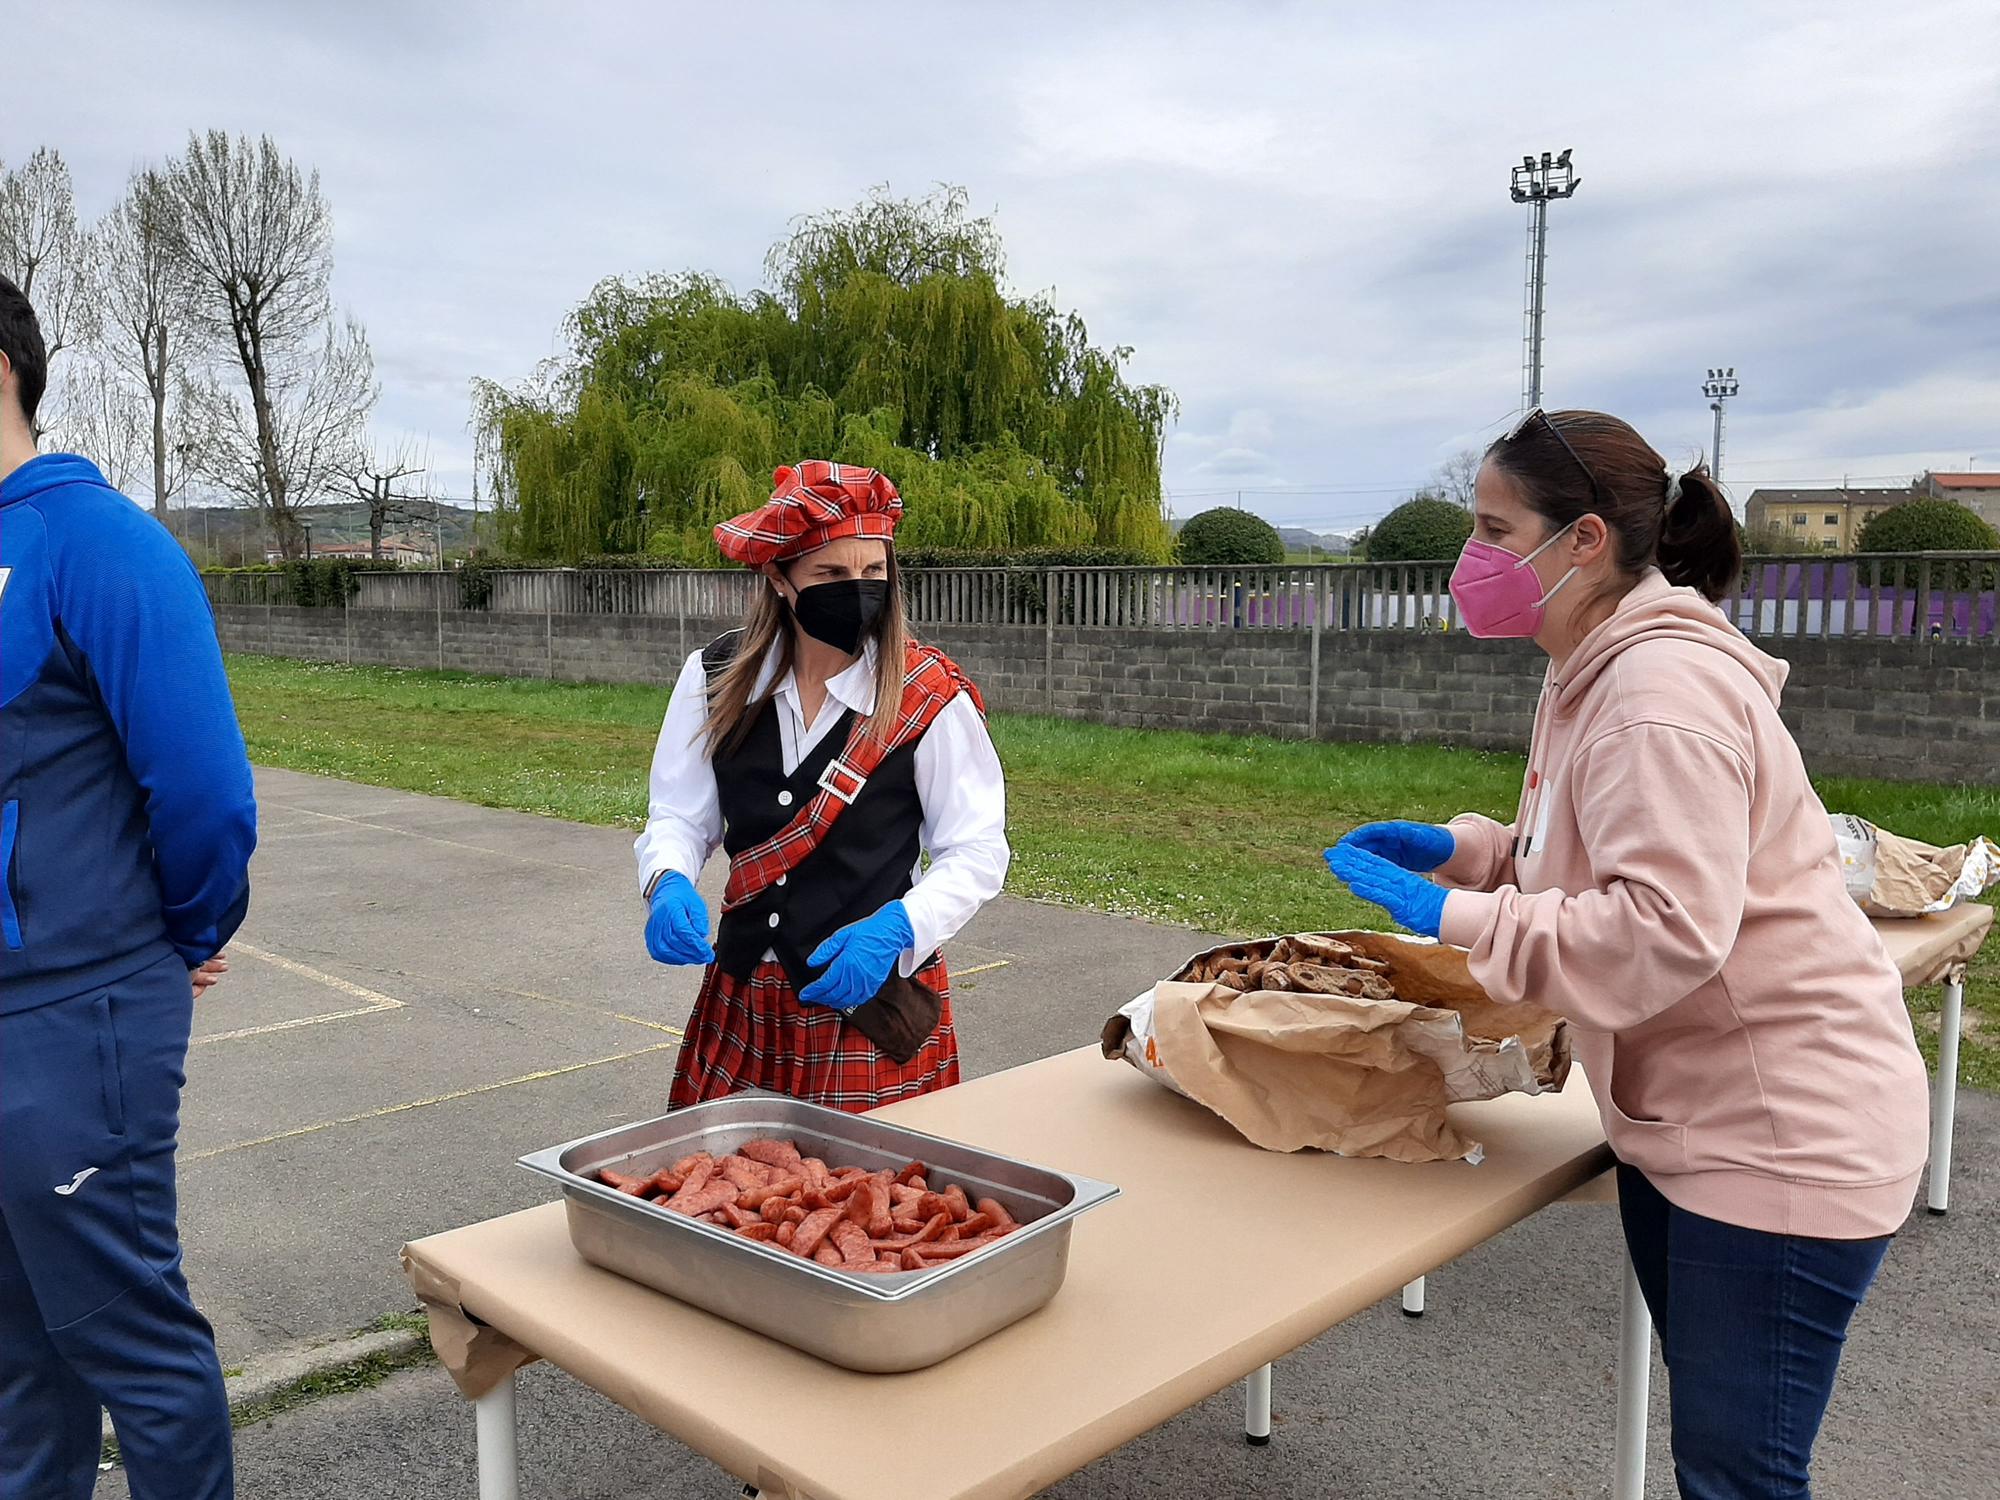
754, 1033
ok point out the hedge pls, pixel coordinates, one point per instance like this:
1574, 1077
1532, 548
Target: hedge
1227, 537
1932, 526
1425, 529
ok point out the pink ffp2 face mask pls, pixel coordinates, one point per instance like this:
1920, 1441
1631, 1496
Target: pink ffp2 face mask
1498, 594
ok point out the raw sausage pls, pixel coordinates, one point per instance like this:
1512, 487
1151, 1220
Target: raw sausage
868, 1206
918, 1236
780, 1154
957, 1247
694, 1202
784, 1187
744, 1172
885, 1222
851, 1240
813, 1230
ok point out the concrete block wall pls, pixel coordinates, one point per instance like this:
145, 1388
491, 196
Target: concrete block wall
1008, 662
1858, 707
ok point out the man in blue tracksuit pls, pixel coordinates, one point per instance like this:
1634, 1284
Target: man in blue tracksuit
126, 825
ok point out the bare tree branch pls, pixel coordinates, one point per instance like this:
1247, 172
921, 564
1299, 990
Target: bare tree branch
102, 415
257, 237
1456, 476
374, 478
41, 249
148, 296
310, 427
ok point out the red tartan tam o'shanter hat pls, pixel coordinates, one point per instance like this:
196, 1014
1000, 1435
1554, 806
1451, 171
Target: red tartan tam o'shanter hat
812, 504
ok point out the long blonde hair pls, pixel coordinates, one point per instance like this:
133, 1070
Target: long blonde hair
732, 706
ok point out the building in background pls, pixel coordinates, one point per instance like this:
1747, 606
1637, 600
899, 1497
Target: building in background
397, 552
407, 551
1817, 520
1978, 493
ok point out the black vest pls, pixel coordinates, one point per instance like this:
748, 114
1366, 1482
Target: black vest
863, 862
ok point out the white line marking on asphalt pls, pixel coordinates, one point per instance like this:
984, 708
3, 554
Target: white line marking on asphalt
501, 989
431, 838
397, 1109
376, 1001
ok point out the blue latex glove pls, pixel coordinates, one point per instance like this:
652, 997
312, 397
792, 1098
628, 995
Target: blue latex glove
1410, 900
859, 958
1421, 847
677, 928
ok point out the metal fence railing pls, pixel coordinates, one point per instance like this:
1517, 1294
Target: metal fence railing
1913, 596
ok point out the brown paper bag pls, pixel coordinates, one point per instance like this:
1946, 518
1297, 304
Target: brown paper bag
1358, 1076
1891, 876
1913, 879
476, 1356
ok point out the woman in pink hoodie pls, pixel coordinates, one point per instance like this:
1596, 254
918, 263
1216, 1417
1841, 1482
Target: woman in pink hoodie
1670, 884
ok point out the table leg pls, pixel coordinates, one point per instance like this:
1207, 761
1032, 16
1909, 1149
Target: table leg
1635, 1371
1257, 1408
1413, 1299
493, 1419
1944, 1101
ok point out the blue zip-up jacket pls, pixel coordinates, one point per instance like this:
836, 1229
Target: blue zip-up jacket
127, 814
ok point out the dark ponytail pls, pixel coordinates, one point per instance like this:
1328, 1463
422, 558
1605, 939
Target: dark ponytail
1699, 546
1578, 463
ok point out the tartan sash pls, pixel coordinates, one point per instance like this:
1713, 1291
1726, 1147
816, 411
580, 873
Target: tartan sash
930, 681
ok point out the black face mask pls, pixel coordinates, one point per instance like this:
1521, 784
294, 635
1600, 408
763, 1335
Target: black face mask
842, 613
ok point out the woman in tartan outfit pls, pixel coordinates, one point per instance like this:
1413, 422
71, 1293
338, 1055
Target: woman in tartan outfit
826, 777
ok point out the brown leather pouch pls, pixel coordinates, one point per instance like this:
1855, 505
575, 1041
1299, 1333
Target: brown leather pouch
900, 1018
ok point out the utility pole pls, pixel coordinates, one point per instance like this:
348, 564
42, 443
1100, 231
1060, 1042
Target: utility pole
1537, 184
1719, 387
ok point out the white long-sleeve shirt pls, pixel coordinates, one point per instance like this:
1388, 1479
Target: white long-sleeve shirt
959, 784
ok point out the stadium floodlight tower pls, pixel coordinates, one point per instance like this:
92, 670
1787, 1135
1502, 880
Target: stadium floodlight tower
1719, 387
1537, 184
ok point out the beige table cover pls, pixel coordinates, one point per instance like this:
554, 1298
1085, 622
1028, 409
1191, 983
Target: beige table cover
1219, 1258
1930, 950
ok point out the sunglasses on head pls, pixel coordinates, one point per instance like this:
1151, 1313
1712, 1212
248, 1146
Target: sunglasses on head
1538, 414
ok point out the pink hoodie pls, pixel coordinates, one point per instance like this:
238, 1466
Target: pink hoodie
1674, 891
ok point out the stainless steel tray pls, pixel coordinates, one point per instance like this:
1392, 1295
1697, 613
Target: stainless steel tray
877, 1323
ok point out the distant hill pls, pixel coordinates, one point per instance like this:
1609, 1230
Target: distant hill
1299, 539
232, 536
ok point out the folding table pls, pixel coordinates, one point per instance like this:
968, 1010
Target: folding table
1936, 950
1218, 1259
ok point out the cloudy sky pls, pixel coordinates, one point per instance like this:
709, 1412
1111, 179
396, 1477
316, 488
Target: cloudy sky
1295, 215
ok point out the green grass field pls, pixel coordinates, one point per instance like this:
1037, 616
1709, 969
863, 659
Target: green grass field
1214, 831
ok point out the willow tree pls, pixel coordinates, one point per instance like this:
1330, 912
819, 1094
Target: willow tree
885, 338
